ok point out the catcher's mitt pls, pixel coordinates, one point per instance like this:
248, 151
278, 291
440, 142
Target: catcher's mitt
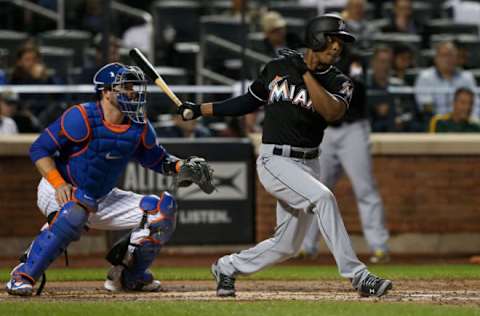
196, 170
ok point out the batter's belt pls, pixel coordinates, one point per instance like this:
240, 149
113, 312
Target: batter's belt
312, 154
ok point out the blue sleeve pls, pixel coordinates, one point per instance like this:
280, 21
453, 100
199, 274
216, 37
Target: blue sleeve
71, 127
49, 141
153, 156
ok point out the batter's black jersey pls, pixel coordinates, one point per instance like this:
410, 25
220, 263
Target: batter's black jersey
290, 118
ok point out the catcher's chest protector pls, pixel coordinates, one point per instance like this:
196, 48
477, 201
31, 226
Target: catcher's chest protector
97, 167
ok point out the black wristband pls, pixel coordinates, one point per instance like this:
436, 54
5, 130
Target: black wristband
170, 165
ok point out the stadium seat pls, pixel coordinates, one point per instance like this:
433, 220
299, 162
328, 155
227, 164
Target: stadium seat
476, 74
369, 9
411, 74
11, 41
390, 39
60, 60
422, 11
182, 16
71, 39
228, 29
448, 26
290, 9
425, 58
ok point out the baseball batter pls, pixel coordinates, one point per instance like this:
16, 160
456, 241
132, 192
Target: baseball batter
300, 94
81, 157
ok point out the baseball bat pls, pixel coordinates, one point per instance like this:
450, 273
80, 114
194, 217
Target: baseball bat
152, 73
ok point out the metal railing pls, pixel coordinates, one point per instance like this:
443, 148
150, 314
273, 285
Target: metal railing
201, 70
58, 17
88, 88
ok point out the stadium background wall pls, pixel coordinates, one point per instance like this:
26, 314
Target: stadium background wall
429, 185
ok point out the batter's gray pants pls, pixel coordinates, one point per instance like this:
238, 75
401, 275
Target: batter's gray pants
301, 197
348, 148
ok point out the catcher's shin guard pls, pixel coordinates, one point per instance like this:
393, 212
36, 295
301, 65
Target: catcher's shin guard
138, 250
160, 215
136, 276
51, 242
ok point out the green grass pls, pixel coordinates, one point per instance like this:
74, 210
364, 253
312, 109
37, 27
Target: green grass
38, 306
424, 272
26, 308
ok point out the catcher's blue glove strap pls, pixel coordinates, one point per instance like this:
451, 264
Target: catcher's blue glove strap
237, 106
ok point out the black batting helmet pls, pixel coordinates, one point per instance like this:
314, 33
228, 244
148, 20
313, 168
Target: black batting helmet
327, 24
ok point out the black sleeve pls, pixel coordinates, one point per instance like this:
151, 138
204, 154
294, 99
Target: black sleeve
237, 106
256, 96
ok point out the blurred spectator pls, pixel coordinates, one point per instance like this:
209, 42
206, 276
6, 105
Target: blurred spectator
458, 121
354, 16
464, 11
388, 113
379, 100
435, 86
29, 68
24, 120
274, 27
90, 15
174, 126
463, 56
402, 20
7, 125
236, 11
138, 36
403, 59
92, 67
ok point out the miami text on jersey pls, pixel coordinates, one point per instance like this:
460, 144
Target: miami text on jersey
280, 90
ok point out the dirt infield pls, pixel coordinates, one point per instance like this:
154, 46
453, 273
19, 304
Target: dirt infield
458, 292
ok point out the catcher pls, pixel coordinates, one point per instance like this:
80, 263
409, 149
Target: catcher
81, 157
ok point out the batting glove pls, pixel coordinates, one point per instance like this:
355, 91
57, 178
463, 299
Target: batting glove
295, 59
189, 111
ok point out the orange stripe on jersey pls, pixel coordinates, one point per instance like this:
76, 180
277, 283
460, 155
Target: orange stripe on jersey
53, 138
117, 128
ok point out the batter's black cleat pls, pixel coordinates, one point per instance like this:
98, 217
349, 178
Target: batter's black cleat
225, 283
371, 285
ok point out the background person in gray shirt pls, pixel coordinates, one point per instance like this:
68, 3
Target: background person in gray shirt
435, 86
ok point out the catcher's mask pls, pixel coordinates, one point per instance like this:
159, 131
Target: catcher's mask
129, 85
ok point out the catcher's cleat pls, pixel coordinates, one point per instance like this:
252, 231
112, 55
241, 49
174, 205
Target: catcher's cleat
368, 284
113, 283
19, 285
225, 283
380, 256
